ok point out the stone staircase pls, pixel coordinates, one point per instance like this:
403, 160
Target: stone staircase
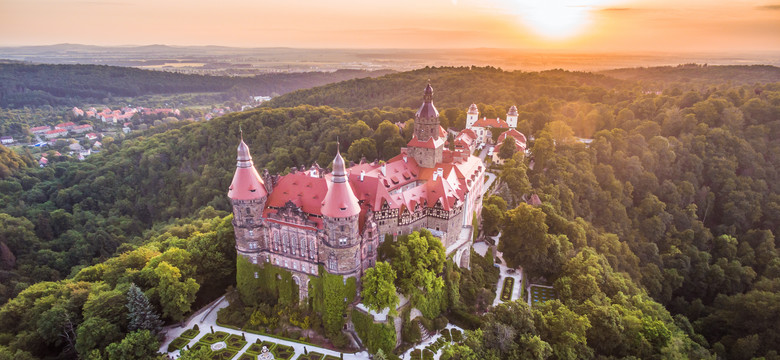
424, 334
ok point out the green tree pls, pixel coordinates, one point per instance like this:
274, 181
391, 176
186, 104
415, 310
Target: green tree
137, 345
365, 147
507, 148
95, 333
176, 294
140, 313
379, 287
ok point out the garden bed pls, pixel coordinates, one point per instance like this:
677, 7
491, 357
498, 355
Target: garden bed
541, 294
283, 351
211, 338
506, 290
178, 343
311, 356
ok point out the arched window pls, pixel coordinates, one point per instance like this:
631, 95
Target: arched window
276, 241
312, 249
303, 246
248, 211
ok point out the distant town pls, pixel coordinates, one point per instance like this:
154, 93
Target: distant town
91, 126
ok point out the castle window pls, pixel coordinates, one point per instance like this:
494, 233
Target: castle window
248, 211
268, 258
343, 241
254, 259
295, 265
303, 267
285, 264
332, 262
313, 270
252, 245
256, 276
251, 233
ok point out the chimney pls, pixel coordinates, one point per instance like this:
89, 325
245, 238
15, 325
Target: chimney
440, 171
384, 168
362, 174
406, 159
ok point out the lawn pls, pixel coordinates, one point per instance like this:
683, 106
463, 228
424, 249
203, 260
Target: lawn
541, 294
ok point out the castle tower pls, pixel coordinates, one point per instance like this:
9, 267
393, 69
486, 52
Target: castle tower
511, 117
427, 143
248, 195
340, 250
472, 116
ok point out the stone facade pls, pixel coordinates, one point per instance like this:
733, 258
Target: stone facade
309, 218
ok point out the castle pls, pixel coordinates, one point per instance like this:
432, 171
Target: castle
309, 218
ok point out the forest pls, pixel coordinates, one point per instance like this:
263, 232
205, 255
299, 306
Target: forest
28, 85
659, 237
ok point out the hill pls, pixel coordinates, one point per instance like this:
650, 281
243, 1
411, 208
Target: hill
694, 73
74, 85
457, 87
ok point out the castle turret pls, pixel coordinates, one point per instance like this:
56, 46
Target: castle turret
341, 250
248, 195
427, 143
511, 117
472, 116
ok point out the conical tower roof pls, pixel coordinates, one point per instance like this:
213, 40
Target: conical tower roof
427, 110
247, 183
340, 201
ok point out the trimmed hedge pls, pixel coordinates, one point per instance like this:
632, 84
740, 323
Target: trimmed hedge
311, 356
457, 335
178, 343
190, 333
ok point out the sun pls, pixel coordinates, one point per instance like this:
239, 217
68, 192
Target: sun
557, 19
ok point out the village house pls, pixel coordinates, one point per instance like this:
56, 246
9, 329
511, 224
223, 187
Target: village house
510, 135
6, 140
81, 128
65, 126
40, 130
51, 134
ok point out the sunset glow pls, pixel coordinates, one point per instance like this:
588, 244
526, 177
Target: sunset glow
575, 25
557, 19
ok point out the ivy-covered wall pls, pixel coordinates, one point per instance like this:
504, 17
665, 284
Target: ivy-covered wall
375, 336
272, 284
327, 294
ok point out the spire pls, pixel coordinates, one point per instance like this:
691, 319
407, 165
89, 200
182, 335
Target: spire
427, 110
339, 169
428, 95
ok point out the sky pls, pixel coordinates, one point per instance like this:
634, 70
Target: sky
568, 25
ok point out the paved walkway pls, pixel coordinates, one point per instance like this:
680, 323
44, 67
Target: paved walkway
504, 273
207, 317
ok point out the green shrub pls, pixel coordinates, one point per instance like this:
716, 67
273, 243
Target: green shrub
427, 355
440, 323
375, 336
426, 323
457, 335
446, 335
410, 332
416, 354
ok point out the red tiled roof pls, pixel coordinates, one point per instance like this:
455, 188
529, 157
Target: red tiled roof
56, 131
513, 133
39, 128
494, 123
430, 144
65, 124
